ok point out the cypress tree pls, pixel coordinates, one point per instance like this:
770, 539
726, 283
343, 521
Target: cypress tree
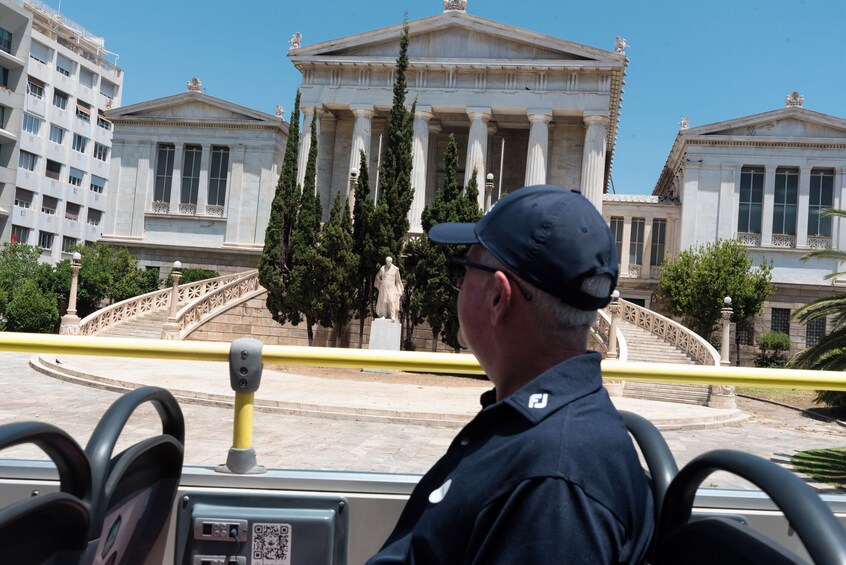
304, 296
275, 263
336, 275
395, 172
367, 249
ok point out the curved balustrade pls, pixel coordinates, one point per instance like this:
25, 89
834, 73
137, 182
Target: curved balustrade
599, 336
208, 305
151, 302
672, 332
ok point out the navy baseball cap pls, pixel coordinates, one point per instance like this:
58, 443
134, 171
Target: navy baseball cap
551, 237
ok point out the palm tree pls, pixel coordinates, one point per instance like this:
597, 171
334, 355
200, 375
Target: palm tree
829, 353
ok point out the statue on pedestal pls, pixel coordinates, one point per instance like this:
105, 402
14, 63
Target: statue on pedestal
389, 284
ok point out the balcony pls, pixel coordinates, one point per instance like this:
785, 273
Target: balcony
819, 242
784, 241
749, 239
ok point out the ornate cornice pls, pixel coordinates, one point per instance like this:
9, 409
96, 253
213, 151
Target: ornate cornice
172, 122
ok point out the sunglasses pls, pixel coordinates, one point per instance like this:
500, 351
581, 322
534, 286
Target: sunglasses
458, 281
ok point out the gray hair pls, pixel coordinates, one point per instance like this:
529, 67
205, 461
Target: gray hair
553, 315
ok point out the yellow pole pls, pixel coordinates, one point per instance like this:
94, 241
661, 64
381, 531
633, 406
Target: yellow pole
242, 431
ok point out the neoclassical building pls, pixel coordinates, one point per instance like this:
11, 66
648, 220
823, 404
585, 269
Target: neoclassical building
192, 179
763, 179
525, 107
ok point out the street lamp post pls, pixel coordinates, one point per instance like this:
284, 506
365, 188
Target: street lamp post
722, 396
489, 187
170, 329
70, 321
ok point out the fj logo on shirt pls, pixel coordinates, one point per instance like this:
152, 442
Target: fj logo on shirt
538, 400
439, 493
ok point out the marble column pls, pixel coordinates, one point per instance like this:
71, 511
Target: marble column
234, 203
419, 158
768, 206
625, 252
435, 130
477, 148
802, 203
203, 188
361, 134
593, 157
176, 180
536, 156
305, 142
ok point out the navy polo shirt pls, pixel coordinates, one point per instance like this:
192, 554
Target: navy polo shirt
547, 475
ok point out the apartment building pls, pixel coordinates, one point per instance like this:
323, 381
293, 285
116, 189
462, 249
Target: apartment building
64, 141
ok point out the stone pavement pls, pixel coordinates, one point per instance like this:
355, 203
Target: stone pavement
342, 424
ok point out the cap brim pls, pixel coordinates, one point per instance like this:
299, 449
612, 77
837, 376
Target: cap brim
454, 234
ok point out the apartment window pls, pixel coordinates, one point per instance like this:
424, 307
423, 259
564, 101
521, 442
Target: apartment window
87, 78
64, 66
781, 320
72, 211
103, 122
54, 169
45, 240
746, 332
97, 184
191, 174
75, 177
39, 52
23, 198
217, 175
20, 234
57, 134
49, 205
636, 242
821, 197
164, 172
35, 87
4, 76
27, 160
814, 331
659, 235
784, 201
751, 199
80, 143
94, 217
5, 40
617, 230
3, 117
60, 99
68, 244
83, 111
31, 124
101, 151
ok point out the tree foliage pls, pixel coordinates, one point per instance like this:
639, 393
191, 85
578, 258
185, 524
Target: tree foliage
772, 348
696, 281
190, 275
276, 258
337, 274
31, 309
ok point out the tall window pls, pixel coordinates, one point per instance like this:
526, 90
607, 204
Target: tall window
87, 78
35, 87
60, 99
75, 177
68, 244
101, 151
814, 331
784, 202
45, 240
97, 184
79, 143
4, 76
27, 160
822, 189
64, 66
191, 174
49, 205
20, 234
217, 175
636, 242
781, 320
23, 198
83, 111
617, 230
31, 124
94, 217
751, 199
57, 134
54, 169
72, 211
164, 173
659, 236
5, 40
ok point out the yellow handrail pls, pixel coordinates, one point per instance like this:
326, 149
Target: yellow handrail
407, 360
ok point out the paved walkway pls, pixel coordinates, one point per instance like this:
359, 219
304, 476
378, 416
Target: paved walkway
372, 433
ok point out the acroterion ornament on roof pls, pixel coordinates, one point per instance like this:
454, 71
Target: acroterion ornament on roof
794, 99
455, 5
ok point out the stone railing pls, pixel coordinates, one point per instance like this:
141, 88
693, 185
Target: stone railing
671, 332
599, 336
819, 242
749, 239
208, 305
784, 240
150, 302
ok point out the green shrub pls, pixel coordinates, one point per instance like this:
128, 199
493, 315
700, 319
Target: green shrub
833, 398
772, 347
192, 275
30, 310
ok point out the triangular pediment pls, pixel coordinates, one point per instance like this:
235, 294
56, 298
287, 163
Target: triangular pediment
456, 35
792, 122
193, 107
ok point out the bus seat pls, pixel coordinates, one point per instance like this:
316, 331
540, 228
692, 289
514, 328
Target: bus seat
711, 539
133, 492
48, 528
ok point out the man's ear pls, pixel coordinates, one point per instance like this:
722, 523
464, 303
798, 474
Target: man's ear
500, 297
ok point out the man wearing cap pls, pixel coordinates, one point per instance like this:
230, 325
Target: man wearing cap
546, 472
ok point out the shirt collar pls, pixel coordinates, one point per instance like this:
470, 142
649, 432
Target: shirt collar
554, 388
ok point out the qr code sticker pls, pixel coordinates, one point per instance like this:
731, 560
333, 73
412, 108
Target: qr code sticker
271, 544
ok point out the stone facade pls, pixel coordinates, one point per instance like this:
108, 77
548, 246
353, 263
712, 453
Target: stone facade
193, 179
529, 108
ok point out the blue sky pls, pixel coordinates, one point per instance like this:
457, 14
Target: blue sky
712, 60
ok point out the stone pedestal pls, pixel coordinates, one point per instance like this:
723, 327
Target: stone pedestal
385, 334
70, 325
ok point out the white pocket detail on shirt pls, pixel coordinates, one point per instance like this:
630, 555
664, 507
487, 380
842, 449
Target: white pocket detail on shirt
439, 493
